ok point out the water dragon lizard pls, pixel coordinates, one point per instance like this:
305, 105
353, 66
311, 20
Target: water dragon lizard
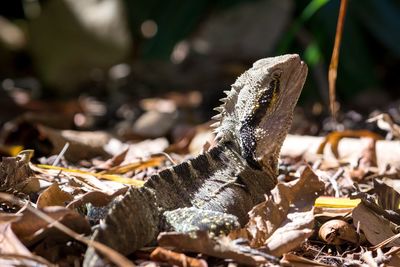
215, 190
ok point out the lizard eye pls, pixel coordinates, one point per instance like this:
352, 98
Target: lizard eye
275, 82
276, 75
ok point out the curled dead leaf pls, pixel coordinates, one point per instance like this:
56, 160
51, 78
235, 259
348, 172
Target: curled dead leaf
83, 144
10, 242
334, 138
395, 257
386, 123
375, 227
30, 228
15, 171
176, 259
153, 123
222, 247
286, 218
387, 152
96, 198
53, 196
387, 194
298, 261
338, 232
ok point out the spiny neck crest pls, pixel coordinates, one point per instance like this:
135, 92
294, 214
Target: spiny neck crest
225, 120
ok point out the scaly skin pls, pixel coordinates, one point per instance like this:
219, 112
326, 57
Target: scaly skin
215, 190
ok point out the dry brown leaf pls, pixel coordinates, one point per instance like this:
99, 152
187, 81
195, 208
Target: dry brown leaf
176, 259
222, 247
9, 217
367, 159
11, 260
115, 257
144, 149
190, 99
13, 252
286, 219
30, 228
153, 123
323, 213
53, 196
385, 122
335, 137
387, 195
395, 257
387, 152
10, 242
158, 104
189, 139
15, 171
83, 178
338, 232
297, 261
203, 136
30, 186
83, 145
368, 154
96, 198
375, 227
116, 160
136, 166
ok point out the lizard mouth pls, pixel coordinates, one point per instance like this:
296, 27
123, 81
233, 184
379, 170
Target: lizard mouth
294, 86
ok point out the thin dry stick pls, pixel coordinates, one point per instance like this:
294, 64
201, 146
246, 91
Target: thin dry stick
59, 156
332, 74
117, 258
385, 242
393, 252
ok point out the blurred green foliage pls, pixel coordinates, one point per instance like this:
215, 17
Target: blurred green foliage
176, 20
371, 34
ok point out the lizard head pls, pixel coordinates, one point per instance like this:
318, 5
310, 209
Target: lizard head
257, 113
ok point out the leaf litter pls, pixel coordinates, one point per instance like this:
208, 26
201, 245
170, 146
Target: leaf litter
331, 206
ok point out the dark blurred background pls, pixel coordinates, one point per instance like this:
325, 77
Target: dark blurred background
120, 51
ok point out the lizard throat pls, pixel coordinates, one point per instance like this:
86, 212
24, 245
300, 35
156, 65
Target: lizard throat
247, 130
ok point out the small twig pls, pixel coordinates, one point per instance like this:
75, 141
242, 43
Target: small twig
332, 74
338, 174
385, 242
168, 157
319, 252
316, 164
59, 156
333, 181
358, 232
393, 252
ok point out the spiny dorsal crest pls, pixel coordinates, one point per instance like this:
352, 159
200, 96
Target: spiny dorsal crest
225, 117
